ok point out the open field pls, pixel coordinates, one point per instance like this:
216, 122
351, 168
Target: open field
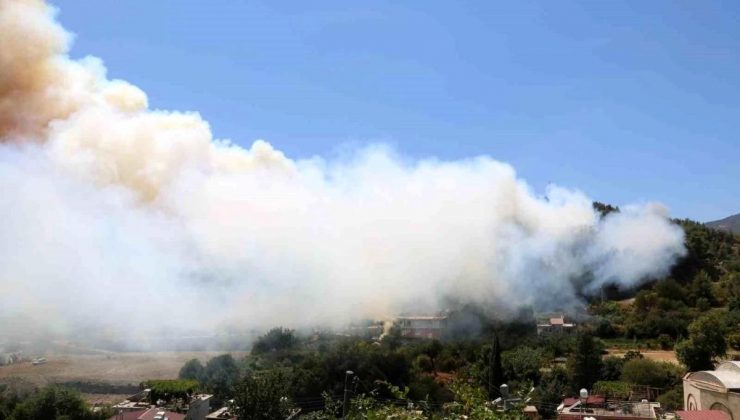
657, 355
118, 369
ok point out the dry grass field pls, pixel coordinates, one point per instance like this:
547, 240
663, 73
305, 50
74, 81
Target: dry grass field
113, 368
657, 355
107, 368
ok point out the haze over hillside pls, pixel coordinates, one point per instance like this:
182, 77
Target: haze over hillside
115, 211
728, 224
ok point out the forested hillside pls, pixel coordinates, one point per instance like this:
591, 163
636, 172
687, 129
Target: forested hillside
706, 280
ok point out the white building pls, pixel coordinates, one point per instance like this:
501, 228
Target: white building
717, 389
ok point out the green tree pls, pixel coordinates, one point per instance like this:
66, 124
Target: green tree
523, 364
262, 396
496, 372
192, 369
55, 403
705, 344
611, 369
670, 289
584, 365
672, 400
220, 375
552, 389
423, 363
433, 350
277, 339
700, 289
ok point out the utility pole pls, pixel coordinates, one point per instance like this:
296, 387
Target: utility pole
345, 403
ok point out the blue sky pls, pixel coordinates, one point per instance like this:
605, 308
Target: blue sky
628, 102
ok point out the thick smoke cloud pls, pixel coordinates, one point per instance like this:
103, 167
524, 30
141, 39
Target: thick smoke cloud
120, 217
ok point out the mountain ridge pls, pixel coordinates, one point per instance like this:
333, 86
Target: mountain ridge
728, 224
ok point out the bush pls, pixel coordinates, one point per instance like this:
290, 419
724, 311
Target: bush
672, 400
651, 373
423, 363
168, 389
613, 389
665, 341
612, 368
55, 402
632, 355
734, 340
262, 396
192, 369
522, 364
277, 339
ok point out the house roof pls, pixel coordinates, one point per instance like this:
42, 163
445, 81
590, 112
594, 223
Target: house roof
730, 365
724, 379
592, 399
149, 415
221, 413
557, 321
702, 415
128, 415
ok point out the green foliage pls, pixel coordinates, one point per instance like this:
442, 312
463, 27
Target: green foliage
428, 389
193, 370
54, 403
701, 289
584, 365
169, 389
611, 369
705, 344
613, 389
220, 375
433, 349
522, 364
707, 250
11, 394
551, 390
632, 355
471, 403
651, 373
705, 278
733, 339
277, 339
423, 363
497, 372
665, 341
672, 400
262, 396
669, 289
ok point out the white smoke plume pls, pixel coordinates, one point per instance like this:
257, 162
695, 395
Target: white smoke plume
120, 217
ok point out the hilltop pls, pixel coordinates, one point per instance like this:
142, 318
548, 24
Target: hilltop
728, 224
